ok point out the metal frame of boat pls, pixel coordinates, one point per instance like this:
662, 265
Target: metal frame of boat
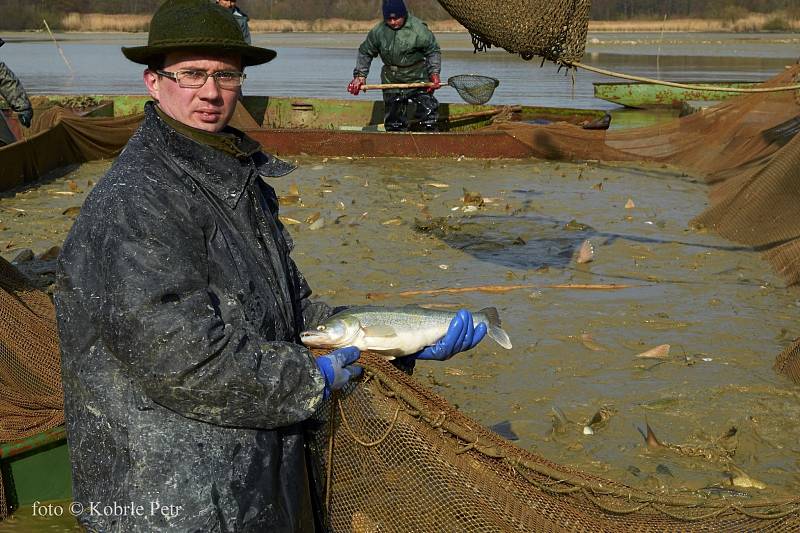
648, 95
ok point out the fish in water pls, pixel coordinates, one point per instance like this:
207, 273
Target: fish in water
394, 331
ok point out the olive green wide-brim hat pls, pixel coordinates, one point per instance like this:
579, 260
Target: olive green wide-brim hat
195, 25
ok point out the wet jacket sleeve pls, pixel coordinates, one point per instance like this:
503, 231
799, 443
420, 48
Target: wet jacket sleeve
368, 51
432, 52
163, 320
11, 89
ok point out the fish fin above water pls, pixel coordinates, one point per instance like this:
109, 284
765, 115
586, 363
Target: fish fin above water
499, 335
491, 314
382, 331
494, 330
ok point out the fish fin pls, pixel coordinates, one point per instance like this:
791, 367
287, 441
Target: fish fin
500, 336
390, 354
494, 330
379, 331
492, 316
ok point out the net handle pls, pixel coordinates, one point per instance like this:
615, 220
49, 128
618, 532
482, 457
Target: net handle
461, 83
418, 85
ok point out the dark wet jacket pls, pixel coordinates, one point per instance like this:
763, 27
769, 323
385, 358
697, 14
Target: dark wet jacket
12, 91
409, 54
179, 311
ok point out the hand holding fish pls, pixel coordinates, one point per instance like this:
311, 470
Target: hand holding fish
461, 336
338, 369
407, 331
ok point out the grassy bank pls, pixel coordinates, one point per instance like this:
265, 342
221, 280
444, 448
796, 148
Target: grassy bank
749, 23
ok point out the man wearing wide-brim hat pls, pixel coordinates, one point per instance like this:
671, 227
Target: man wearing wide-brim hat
179, 310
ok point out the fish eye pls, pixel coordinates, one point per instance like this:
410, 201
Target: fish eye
320, 328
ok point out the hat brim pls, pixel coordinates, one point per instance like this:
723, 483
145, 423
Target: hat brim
251, 55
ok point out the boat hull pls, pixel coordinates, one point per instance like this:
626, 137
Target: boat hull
648, 95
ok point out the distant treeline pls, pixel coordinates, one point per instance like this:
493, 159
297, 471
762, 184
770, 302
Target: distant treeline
28, 14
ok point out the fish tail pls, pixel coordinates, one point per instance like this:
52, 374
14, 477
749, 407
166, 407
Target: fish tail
493, 328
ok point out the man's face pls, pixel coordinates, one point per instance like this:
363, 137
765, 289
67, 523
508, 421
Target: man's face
395, 22
227, 3
206, 108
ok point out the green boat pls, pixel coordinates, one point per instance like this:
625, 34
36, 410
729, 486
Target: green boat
287, 126
648, 95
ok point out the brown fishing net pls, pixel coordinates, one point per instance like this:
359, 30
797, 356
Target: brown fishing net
552, 30
31, 399
397, 457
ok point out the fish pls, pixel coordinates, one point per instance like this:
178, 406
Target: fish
394, 331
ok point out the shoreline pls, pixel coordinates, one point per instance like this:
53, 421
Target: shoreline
753, 23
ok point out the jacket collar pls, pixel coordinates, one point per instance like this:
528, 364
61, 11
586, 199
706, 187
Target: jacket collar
224, 163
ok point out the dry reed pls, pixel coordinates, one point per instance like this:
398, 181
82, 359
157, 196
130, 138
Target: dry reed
101, 22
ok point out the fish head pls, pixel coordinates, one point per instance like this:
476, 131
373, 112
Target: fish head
337, 332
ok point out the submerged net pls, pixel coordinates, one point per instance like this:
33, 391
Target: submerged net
553, 30
474, 89
31, 399
394, 456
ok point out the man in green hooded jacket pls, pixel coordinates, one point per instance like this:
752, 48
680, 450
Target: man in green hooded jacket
11, 89
410, 54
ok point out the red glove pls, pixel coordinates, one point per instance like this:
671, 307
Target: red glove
437, 83
355, 86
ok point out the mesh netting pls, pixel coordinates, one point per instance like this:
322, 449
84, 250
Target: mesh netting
474, 89
31, 400
553, 30
788, 362
402, 459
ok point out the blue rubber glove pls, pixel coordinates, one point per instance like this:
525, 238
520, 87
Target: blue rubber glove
25, 116
338, 369
461, 336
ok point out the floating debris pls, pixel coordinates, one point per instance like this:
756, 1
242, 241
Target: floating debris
740, 479
585, 252
288, 221
313, 217
560, 421
505, 430
438, 185
590, 344
599, 419
392, 222
629, 204
71, 211
664, 470
574, 225
659, 352
319, 223
72, 186
472, 198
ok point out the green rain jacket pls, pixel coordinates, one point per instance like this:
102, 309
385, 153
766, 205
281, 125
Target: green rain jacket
11, 89
410, 54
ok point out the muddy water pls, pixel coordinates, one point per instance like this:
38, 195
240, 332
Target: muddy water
722, 310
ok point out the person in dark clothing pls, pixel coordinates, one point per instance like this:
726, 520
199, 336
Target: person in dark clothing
240, 16
179, 311
12, 91
410, 54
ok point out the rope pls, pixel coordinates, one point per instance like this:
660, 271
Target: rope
364, 443
613, 74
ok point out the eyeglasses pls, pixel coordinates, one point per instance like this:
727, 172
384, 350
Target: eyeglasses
194, 79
